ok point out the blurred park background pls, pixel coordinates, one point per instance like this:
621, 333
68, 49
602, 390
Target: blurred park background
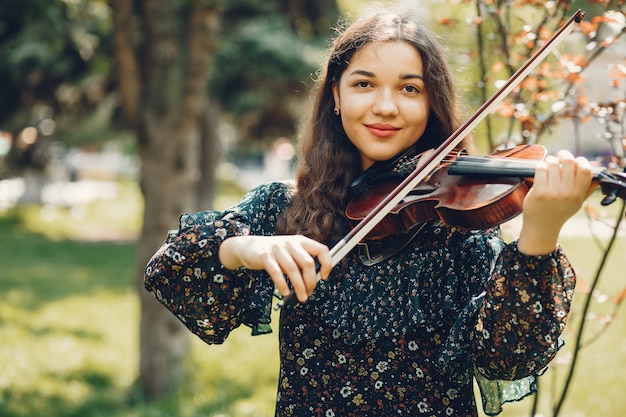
116, 116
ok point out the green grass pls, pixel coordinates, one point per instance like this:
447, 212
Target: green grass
69, 326
68, 332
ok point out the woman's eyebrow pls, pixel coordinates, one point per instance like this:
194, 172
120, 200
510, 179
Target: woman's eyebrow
410, 76
363, 72
371, 74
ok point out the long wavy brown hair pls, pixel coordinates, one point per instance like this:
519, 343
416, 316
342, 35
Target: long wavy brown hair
328, 162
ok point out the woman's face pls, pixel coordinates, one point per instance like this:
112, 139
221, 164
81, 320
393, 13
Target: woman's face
383, 100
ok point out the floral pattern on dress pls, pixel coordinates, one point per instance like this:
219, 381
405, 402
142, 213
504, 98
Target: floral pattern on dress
405, 336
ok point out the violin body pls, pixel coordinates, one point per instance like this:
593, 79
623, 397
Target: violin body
472, 202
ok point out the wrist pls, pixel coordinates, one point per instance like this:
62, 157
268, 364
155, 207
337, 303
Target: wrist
536, 242
227, 253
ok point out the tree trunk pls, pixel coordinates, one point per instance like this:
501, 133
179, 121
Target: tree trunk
210, 157
172, 75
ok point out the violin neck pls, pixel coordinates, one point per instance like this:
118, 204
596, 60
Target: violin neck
498, 167
495, 167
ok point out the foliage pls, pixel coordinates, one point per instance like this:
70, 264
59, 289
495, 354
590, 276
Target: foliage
264, 56
266, 65
55, 56
58, 74
501, 36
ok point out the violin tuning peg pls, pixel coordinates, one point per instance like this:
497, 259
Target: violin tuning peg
609, 198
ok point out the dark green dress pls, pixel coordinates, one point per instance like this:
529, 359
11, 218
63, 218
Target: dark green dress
405, 336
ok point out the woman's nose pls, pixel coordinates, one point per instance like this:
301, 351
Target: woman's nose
385, 104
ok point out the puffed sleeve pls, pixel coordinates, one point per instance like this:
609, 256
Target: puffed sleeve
523, 313
187, 277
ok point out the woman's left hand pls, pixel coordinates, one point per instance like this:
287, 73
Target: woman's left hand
560, 187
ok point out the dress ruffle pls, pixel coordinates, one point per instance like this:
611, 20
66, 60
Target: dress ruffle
495, 393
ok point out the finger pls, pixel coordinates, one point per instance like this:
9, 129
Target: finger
564, 155
584, 176
305, 263
576, 174
541, 176
322, 253
326, 263
567, 171
290, 267
553, 172
271, 266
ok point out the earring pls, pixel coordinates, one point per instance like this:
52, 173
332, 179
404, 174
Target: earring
336, 110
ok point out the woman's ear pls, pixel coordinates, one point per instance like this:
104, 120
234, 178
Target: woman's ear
335, 87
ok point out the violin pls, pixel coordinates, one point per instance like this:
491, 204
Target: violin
471, 192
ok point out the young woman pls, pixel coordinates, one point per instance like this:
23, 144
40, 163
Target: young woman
403, 327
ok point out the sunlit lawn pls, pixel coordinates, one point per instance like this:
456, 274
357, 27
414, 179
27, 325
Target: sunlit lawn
69, 314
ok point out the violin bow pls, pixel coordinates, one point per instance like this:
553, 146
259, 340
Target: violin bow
432, 159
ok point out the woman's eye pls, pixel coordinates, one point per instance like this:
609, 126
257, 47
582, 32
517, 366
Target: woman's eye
411, 89
362, 84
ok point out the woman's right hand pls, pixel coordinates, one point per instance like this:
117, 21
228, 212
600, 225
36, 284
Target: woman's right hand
290, 255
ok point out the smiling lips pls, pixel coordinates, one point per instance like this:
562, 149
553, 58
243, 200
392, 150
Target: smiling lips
382, 130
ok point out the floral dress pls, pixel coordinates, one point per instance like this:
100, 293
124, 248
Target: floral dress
404, 336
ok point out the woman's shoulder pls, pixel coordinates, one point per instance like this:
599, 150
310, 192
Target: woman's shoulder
275, 192
286, 187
